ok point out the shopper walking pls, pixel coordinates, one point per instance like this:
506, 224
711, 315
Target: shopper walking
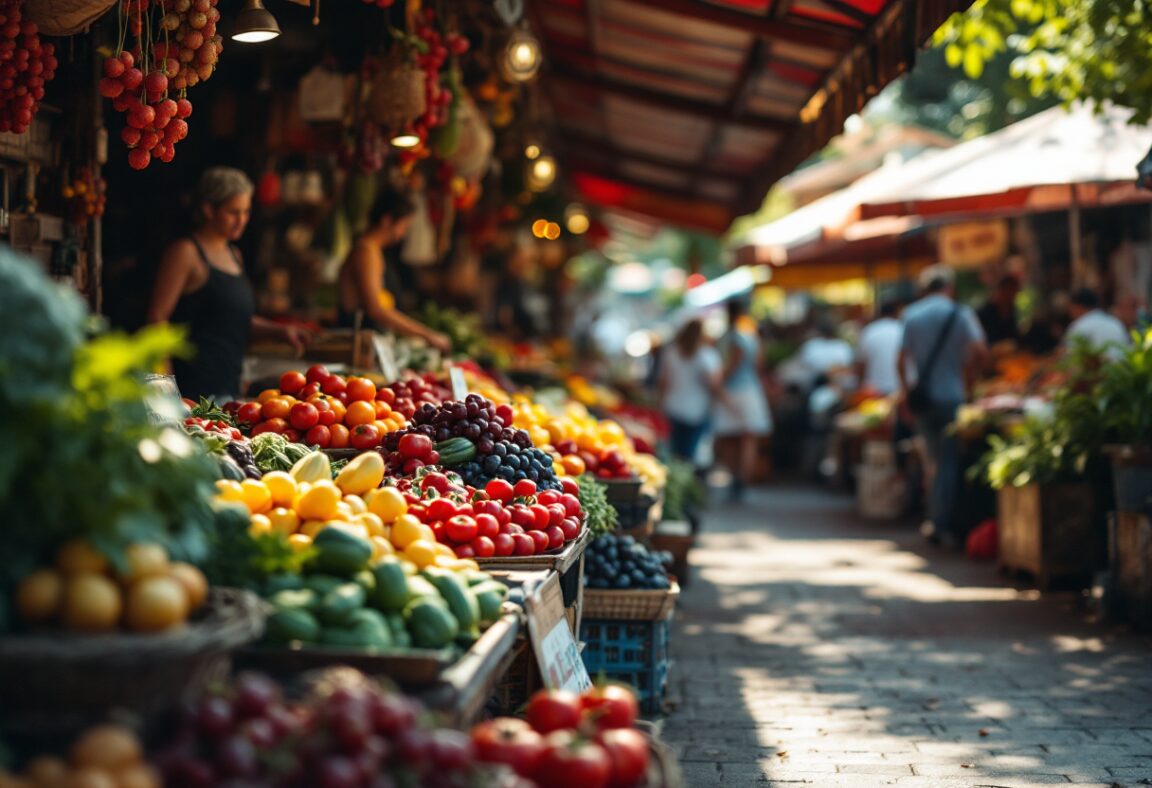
878, 349
1103, 332
743, 417
944, 344
688, 384
201, 285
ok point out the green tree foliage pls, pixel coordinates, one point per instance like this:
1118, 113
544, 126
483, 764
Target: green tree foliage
1098, 50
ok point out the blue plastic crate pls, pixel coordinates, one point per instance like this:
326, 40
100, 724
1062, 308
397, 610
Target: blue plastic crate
631, 652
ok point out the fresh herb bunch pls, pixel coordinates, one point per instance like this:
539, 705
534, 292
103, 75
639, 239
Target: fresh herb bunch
602, 517
684, 494
83, 458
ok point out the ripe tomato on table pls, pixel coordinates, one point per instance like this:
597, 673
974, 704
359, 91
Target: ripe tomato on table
365, 436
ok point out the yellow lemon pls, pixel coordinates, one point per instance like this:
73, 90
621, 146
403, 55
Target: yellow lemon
284, 520
300, 542
371, 523
421, 552
313, 527
282, 487
230, 491
260, 525
387, 503
381, 547
408, 529
356, 504
255, 496
320, 502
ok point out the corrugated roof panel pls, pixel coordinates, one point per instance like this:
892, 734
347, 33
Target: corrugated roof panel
648, 173
621, 12
822, 59
662, 83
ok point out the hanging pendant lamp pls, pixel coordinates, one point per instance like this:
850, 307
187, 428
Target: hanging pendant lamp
255, 24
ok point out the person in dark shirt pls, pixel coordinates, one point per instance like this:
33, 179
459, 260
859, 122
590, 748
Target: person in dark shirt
998, 315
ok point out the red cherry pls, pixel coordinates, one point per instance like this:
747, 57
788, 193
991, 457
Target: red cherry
156, 83
133, 77
113, 68
183, 108
111, 88
138, 158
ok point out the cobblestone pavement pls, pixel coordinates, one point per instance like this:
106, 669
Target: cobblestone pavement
813, 648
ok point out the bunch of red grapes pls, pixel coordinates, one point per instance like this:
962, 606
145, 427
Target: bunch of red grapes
27, 66
139, 80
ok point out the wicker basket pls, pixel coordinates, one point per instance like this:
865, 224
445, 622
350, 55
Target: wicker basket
66, 17
397, 95
621, 605
57, 684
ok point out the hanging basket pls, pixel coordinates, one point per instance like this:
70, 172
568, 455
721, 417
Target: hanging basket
473, 154
65, 17
397, 96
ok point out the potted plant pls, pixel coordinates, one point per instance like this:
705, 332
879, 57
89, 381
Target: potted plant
1124, 397
1051, 481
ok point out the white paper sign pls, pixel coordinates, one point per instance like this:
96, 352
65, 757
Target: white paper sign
459, 385
386, 357
556, 651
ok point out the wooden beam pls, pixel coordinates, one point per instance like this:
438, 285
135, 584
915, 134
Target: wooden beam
765, 27
849, 11
579, 142
734, 103
559, 75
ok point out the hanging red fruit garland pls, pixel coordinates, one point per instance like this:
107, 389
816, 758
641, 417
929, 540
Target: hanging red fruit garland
176, 48
27, 66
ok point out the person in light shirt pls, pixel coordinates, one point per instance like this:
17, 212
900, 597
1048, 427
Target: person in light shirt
1093, 325
878, 349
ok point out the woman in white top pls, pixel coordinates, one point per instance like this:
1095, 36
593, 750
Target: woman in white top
689, 383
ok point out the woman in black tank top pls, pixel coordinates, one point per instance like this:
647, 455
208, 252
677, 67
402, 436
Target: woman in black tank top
201, 285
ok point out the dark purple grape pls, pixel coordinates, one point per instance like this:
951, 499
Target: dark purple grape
472, 409
485, 445
496, 428
443, 434
472, 432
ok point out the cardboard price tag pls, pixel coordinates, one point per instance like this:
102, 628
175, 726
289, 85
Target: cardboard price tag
556, 651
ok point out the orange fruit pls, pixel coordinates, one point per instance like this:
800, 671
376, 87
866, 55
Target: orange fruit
383, 409
573, 464
106, 747
78, 557
359, 413
40, 596
339, 435
92, 603
155, 604
193, 581
144, 559
267, 394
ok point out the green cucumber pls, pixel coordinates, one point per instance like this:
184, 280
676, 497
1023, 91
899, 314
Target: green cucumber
392, 591
285, 625
338, 605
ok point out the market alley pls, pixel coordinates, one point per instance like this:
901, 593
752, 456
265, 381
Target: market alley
814, 648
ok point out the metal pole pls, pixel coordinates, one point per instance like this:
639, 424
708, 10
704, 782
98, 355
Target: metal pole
1074, 240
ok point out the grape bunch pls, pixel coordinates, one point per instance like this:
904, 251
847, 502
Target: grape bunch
615, 561
475, 419
511, 462
27, 66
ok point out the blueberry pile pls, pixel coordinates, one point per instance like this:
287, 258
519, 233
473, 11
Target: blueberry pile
619, 562
513, 462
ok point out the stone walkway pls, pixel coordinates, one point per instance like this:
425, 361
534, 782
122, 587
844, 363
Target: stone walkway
813, 648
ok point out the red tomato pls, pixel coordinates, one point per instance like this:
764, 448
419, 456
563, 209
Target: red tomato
554, 710
483, 547
505, 414
499, 490
292, 382
317, 373
556, 513
386, 395
276, 408
610, 706
571, 504
441, 509
541, 516
334, 386
524, 544
539, 540
436, 481
365, 436
505, 544
571, 762
415, 446
461, 528
271, 425
303, 416
292, 435
591, 461
249, 413
555, 536
483, 505
361, 390
511, 742
487, 525
547, 497
308, 391
628, 755
571, 528
318, 435
525, 488
340, 436
522, 516
570, 487
325, 414
464, 551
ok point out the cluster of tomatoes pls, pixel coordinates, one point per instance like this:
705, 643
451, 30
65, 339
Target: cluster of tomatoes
325, 410
569, 740
154, 122
27, 66
502, 519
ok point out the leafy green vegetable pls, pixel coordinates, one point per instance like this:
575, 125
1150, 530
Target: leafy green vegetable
684, 493
241, 560
602, 516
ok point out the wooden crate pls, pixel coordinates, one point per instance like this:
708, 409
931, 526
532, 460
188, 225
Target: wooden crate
1132, 566
1052, 532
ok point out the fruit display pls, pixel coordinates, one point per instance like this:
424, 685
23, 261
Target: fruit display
176, 47
324, 410
348, 732
620, 562
28, 66
570, 741
86, 195
144, 591
104, 755
501, 519
475, 439
217, 435
412, 392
